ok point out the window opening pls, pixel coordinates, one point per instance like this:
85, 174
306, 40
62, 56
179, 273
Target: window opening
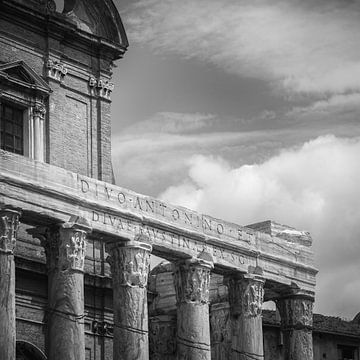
12, 129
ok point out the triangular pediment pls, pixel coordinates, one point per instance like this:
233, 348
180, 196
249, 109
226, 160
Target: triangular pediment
22, 74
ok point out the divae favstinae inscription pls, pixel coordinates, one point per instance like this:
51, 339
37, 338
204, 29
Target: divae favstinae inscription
161, 222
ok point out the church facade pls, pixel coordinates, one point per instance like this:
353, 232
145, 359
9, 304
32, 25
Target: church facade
75, 280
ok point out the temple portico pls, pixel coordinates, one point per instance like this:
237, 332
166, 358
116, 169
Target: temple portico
255, 266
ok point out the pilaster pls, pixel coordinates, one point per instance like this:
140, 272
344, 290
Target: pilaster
162, 337
192, 283
9, 222
130, 264
38, 119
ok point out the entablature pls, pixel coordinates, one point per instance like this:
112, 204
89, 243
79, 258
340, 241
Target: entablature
48, 194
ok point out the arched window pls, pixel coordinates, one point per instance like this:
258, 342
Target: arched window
28, 351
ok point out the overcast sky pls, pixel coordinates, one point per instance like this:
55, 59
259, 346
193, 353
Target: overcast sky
248, 110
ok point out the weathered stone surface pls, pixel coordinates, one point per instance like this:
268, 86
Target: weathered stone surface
192, 282
246, 296
9, 222
130, 265
162, 337
220, 330
174, 232
296, 323
65, 252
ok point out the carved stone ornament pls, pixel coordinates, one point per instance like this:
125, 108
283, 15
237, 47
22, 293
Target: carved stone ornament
100, 87
39, 111
102, 328
296, 312
56, 70
162, 337
9, 223
130, 264
246, 295
192, 281
64, 244
72, 249
220, 324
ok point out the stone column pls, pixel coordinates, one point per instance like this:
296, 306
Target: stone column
246, 296
296, 323
65, 252
192, 282
9, 222
39, 112
130, 265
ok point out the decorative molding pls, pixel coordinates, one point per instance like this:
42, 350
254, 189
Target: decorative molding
296, 312
246, 295
192, 281
9, 224
56, 70
101, 87
130, 264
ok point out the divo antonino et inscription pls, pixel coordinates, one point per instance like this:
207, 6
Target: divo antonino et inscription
168, 219
118, 214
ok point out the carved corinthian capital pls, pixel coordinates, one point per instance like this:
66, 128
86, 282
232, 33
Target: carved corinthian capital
130, 263
64, 244
39, 111
192, 281
9, 223
72, 245
246, 295
296, 312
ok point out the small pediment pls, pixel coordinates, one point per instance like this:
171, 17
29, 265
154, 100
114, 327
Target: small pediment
21, 74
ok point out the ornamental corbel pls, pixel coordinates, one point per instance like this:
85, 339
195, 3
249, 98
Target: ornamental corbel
56, 70
101, 87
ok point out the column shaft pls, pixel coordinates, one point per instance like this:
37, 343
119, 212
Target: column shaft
65, 251
38, 122
9, 221
296, 324
192, 282
246, 298
130, 265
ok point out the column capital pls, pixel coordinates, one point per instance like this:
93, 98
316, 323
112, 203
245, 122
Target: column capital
130, 262
64, 243
296, 312
39, 111
192, 279
246, 294
9, 223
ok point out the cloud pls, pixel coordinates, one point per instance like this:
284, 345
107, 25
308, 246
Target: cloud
172, 123
312, 187
151, 154
300, 46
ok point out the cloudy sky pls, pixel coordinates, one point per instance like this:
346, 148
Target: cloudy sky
249, 110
